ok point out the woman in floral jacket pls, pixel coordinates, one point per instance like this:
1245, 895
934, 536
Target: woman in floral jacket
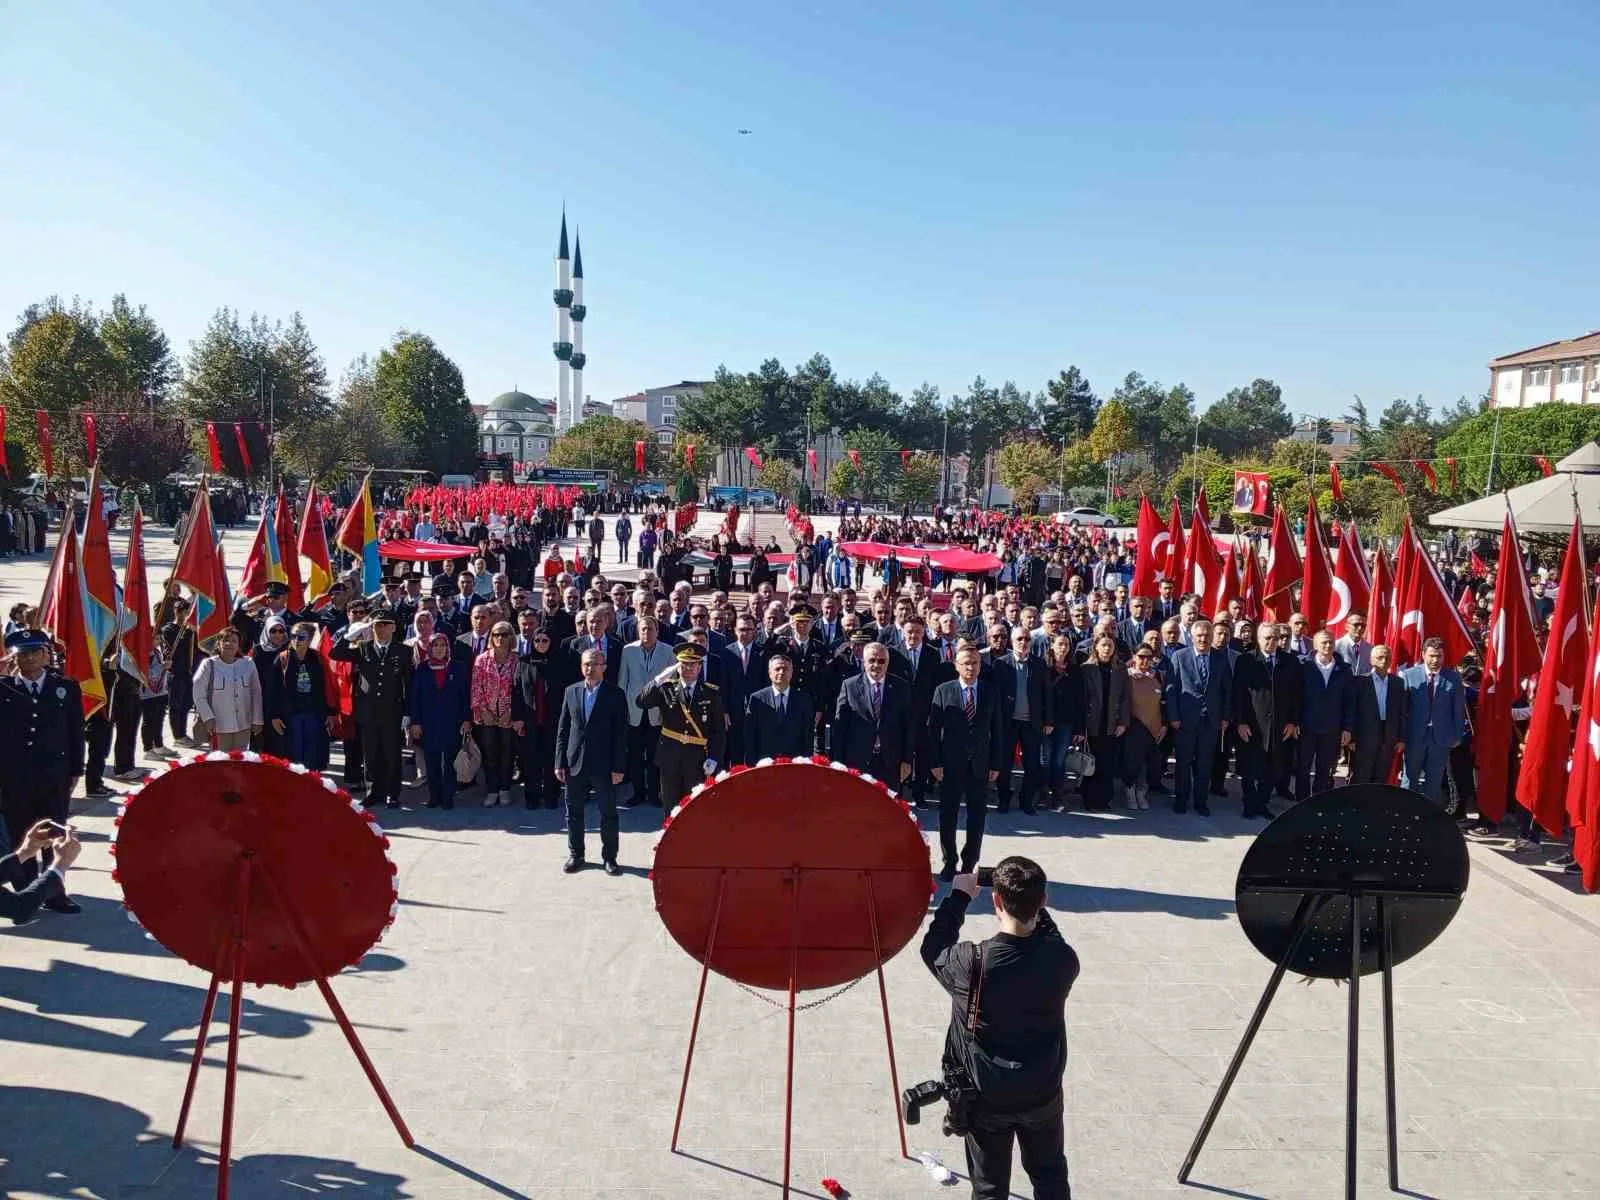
492, 676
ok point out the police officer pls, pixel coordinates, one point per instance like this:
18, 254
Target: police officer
41, 731
380, 682
250, 617
693, 724
1008, 1027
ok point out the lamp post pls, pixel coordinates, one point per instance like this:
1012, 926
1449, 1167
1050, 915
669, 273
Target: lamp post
944, 462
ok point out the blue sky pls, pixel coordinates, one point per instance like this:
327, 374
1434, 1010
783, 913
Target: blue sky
1346, 197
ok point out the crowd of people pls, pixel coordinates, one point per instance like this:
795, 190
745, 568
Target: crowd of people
489, 673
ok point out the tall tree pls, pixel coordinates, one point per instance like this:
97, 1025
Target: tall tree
1068, 408
922, 420
725, 412
422, 395
880, 461
1247, 420
297, 375
919, 479
356, 434
991, 416
1113, 432
139, 358
606, 443
55, 358
1027, 467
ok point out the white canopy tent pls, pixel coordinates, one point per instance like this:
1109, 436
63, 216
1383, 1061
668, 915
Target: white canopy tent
1543, 506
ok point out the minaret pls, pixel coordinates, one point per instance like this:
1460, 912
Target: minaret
563, 342
578, 313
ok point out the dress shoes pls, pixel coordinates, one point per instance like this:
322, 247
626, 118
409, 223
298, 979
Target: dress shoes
62, 904
611, 867
1203, 810
572, 866
948, 872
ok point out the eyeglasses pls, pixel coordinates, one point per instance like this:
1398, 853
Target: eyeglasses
502, 635
302, 637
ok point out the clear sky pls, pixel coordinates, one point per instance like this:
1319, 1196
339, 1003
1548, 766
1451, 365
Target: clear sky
1347, 197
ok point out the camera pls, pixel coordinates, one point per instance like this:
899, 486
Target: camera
985, 877
956, 1088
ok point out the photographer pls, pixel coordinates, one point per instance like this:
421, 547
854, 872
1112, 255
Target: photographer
1006, 1049
33, 891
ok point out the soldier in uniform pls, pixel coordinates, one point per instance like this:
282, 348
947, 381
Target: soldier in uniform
694, 727
381, 677
811, 657
41, 729
250, 618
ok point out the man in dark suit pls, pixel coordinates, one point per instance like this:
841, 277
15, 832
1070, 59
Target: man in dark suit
1024, 697
779, 721
42, 736
922, 669
1267, 701
17, 870
1328, 711
965, 724
1130, 632
591, 757
871, 727
380, 684
1199, 695
1380, 720
1167, 604
744, 668
1436, 719
599, 635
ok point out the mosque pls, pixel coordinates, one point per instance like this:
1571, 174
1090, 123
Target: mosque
524, 426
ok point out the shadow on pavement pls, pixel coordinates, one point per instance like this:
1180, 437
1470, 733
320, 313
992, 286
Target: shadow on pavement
81, 1145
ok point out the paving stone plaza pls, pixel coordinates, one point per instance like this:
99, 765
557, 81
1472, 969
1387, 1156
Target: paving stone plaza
531, 1027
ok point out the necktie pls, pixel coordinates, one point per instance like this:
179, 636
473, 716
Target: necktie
968, 704
1205, 670
782, 704
877, 700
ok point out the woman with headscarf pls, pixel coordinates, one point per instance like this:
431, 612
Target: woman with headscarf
492, 675
273, 642
441, 715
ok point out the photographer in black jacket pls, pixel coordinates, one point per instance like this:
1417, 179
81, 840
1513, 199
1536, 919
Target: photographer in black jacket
1008, 1029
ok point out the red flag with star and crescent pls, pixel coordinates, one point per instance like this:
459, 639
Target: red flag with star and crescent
1283, 567
1542, 784
1511, 656
1316, 581
1352, 589
1150, 552
1583, 790
1171, 566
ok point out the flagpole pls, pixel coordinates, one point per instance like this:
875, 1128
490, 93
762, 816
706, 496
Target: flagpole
1583, 562
1494, 447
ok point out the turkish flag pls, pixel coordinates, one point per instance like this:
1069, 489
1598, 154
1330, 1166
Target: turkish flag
1544, 465
1451, 463
47, 447
811, 462
1336, 482
1381, 597
905, 458
1203, 507
1389, 473
1511, 657
1283, 566
688, 456
1316, 579
1226, 586
638, 458
1542, 785
214, 447
1392, 631
1251, 491
1252, 585
91, 442
855, 459
1583, 790
1172, 565
754, 456
1150, 549
1202, 566
1425, 609
244, 450
1478, 566
1352, 589
1428, 474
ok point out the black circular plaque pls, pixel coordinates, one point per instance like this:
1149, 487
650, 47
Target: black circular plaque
1363, 839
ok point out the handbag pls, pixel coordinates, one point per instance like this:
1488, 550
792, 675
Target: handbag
468, 760
1080, 763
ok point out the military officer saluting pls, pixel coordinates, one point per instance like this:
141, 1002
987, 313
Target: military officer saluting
380, 682
250, 616
41, 733
694, 726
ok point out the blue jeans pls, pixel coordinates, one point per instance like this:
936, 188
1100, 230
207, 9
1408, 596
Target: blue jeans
308, 743
1053, 753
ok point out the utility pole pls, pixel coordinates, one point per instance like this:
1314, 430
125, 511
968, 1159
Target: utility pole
1494, 449
944, 462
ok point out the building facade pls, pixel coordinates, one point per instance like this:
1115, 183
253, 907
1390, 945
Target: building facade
1340, 435
518, 424
1566, 372
658, 407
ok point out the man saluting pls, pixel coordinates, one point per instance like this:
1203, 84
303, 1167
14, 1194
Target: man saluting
694, 726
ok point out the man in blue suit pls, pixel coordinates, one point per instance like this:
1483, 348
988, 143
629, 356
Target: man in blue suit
968, 747
780, 721
591, 756
744, 670
1436, 719
1199, 689
1327, 715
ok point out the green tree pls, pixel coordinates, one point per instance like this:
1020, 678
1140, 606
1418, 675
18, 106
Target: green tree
987, 417
1551, 430
297, 375
777, 475
725, 412
922, 420
706, 453
355, 435
919, 479
1163, 418
56, 362
425, 402
880, 462
1247, 420
843, 479
1027, 467
607, 443
139, 358
1069, 408
1113, 432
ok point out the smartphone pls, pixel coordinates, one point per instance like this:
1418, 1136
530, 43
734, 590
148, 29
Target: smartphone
985, 876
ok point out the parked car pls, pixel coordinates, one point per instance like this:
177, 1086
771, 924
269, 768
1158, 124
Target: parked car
1085, 516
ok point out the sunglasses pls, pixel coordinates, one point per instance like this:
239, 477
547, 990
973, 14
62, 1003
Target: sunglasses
302, 637
502, 635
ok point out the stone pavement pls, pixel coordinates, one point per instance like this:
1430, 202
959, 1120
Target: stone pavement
531, 1028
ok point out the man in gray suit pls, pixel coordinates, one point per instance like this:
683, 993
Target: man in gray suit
642, 661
